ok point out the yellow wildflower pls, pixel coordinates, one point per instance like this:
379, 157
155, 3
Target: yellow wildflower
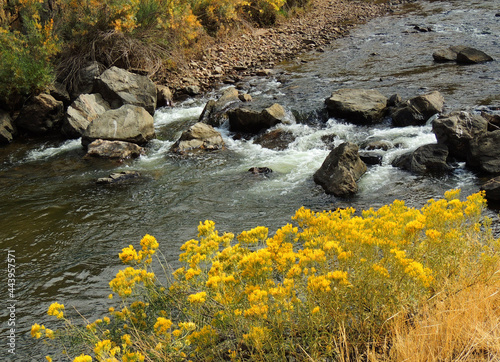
162, 326
82, 358
198, 298
55, 309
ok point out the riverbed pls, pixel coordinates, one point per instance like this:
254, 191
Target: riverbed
66, 231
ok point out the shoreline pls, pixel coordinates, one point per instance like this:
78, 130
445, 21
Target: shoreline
254, 51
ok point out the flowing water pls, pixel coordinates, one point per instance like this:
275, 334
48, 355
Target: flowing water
66, 231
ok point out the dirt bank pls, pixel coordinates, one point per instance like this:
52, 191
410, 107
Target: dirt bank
252, 50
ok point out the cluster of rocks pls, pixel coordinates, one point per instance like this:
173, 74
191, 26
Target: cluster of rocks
112, 111
461, 137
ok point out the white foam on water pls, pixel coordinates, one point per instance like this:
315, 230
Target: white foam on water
165, 116
44, 152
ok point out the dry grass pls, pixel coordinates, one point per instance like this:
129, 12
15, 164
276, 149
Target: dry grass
460, 327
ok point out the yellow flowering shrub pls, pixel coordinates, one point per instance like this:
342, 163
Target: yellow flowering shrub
333, 282
27, 52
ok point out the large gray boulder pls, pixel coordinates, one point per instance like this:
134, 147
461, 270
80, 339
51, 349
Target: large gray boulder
120, 87
417, 110
199, 136
484, 153
248, 120
340, 170
427, 159
113, 149
457, 129
363, 106
7, 129
214, 112
128, 123
82, 112
41, 114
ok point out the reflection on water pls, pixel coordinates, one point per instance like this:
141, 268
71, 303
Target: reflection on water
67, 231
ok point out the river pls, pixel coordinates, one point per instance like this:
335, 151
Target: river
66, 231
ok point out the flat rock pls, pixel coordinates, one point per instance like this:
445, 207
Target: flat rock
113, 149
492, 189
363, 106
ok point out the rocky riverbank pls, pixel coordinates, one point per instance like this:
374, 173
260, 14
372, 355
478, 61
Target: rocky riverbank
253, 51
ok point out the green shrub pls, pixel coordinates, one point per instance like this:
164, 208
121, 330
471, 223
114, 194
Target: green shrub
327, 288
26, 56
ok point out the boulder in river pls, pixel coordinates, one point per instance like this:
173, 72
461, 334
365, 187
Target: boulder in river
484, 153
456, 130
247, 120
199, 136
7, 129
41, 114
113, 149
120, 87
276, 139
417, 110
128, 123
427, 159
362, 106
82, 112
472, 56
340, 170
447, 54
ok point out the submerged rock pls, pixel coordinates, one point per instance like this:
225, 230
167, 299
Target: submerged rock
276, 139
364, 106
199, 136
128, 123
340, 170
260, 170
118, 177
